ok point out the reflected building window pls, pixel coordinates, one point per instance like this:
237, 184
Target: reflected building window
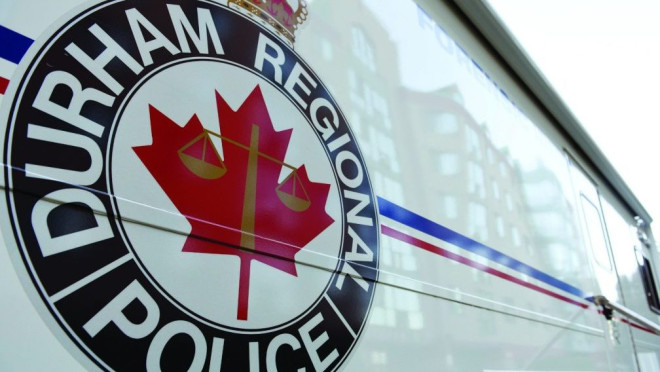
445, 123
562, 259
403, 256
476, 179
499, 224
369, 101
408, 263
515, 236
362, 49
540, 194
550, 224
448, 164
478, 224
378, 105
496, 191
530, 249
503, 171
386, 146
415, 320
398, 306
408, 303
385, 314
450, 207
473, 143
382, 149
475, 275
508, 200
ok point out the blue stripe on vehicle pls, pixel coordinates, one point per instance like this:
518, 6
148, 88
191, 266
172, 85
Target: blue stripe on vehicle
13, 45
423, 224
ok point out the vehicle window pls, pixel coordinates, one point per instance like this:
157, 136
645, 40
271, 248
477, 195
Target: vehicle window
649, 284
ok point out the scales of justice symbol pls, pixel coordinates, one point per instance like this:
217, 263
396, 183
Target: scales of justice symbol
209, 165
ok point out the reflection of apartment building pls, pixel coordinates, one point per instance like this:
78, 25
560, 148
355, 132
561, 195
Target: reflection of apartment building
424, 151
554, 227
473, 183
360, 68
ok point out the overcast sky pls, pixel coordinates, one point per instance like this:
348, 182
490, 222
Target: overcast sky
603, 58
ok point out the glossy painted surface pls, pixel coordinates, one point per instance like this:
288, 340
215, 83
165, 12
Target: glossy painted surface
478, 166
493, 236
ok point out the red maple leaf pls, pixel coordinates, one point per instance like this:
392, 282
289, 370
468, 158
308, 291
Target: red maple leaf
235, 204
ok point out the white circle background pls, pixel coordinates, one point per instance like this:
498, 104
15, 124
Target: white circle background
207, 284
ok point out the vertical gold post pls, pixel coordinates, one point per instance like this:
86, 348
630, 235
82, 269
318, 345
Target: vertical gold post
249, 199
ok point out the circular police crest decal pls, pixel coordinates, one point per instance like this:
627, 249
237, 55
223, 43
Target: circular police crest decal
183, 193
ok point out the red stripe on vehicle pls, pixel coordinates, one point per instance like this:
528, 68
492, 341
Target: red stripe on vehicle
635, 325
396, 234
399, 235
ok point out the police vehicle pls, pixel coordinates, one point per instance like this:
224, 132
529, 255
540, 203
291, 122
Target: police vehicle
320, 185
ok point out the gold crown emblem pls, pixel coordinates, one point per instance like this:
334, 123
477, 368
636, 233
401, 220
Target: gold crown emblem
284, 16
